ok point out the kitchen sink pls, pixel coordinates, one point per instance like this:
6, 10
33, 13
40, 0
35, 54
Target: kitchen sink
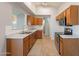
25, 32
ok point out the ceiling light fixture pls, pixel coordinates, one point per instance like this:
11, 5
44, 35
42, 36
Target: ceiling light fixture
44, 4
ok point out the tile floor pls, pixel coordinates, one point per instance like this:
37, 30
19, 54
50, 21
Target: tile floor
44, 47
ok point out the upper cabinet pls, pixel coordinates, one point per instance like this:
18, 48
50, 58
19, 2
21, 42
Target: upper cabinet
30, 20
34, 20
71, 15
60, 16
39, 21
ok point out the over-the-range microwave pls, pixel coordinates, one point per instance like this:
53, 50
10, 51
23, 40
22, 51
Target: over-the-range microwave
62, 21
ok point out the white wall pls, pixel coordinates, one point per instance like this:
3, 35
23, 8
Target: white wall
43, 11
16, 7
5, 12
31, 6
54, 25
76, 30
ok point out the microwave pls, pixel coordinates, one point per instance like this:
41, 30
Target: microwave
62, 21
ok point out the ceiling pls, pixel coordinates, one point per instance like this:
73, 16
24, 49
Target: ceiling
48, 4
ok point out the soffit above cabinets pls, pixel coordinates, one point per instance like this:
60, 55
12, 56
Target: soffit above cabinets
48, 4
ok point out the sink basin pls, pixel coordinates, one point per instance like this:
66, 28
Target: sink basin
25, 32
32, 28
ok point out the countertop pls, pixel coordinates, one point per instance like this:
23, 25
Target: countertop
70, 36
18, 35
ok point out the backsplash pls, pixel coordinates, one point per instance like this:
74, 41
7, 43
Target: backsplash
9, 30
76, 29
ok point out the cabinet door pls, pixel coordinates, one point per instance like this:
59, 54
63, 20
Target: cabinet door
30, 19
35, 21
14, 47
61, 46
26, 46
55, 39
39, 21
57, 42
8, 47
68, 20
57, 17
74, 15
39, 34
34, 37
61, 15
31, 41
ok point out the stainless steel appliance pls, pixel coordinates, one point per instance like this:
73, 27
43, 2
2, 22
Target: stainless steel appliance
57, 40
62, 21
68, 30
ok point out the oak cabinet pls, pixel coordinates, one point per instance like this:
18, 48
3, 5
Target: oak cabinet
68, 20
8, 48
57, 42
32, 39
69, 46
72, 15
34, 20
14, 47
30, 19
60, 16
61, 46
39, 21
26, 45
20, 47
39, 34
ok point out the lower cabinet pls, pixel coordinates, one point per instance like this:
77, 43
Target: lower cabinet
69, 46
61, 46
39, 34
20, 47
57, 42
8, 49
26, 45
14, 47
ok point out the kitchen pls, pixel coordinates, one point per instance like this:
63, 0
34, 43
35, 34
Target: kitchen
23, 29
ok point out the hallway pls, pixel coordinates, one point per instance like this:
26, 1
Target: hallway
44, 47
